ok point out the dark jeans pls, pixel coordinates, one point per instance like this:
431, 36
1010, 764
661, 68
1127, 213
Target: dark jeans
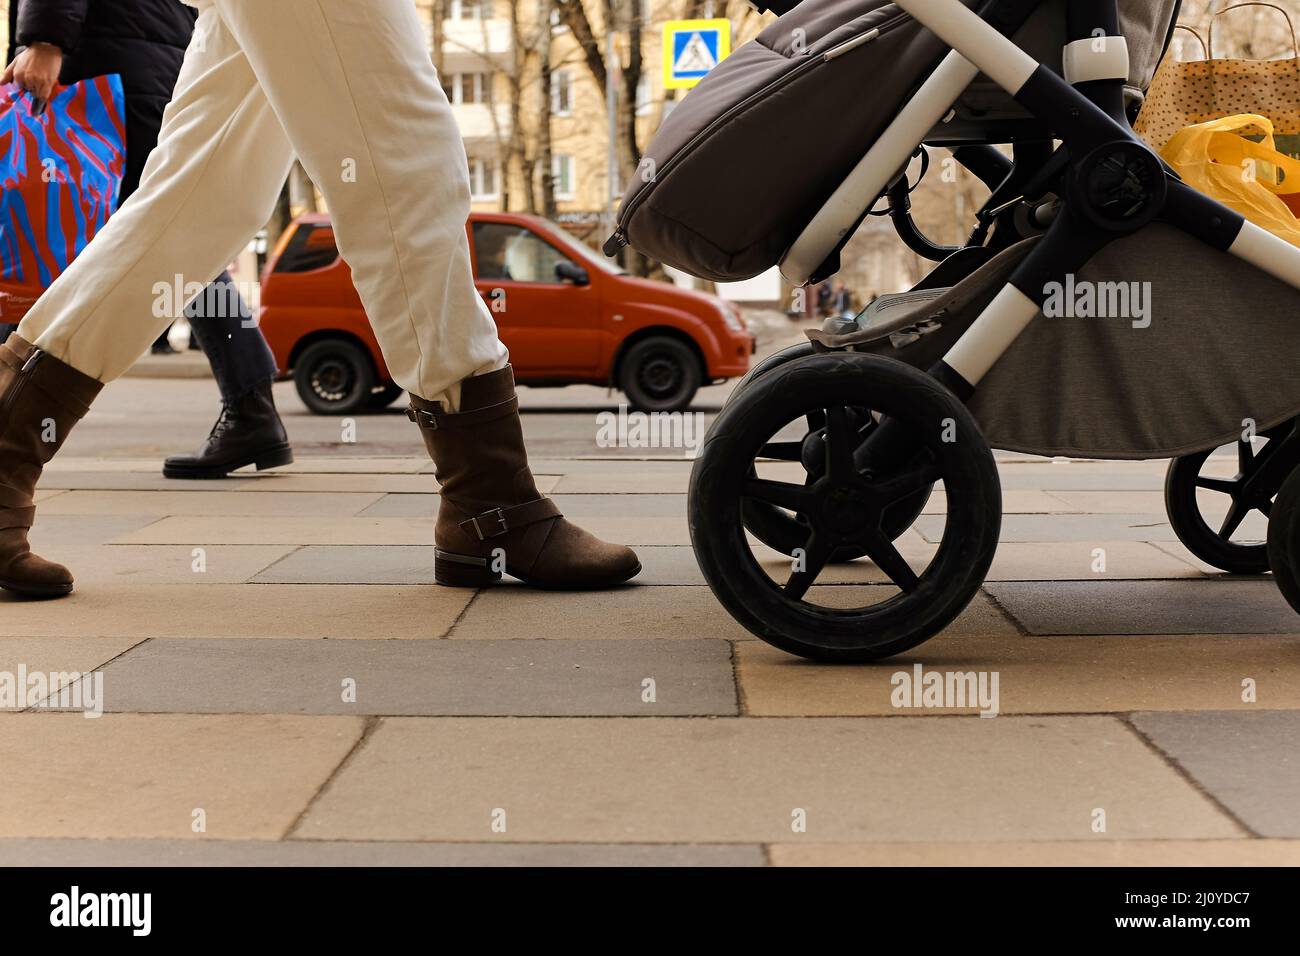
236, 349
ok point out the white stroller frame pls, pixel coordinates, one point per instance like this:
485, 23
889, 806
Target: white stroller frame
1098, 58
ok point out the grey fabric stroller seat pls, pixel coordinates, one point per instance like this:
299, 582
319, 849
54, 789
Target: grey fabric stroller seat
1099, 308
792, 114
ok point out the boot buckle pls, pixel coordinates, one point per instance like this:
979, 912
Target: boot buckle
422, 418
495, 514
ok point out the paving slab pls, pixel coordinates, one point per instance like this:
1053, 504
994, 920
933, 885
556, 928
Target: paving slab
275, 530
1081, 475
124, 609
57, 659
224, 503
130, 853
1086, 561
514, 611
1100, 852
743, 780
353, 564
630, 481
356, 465
1148, 607
144, 776
1014, 501
1068, 527
170, 564
1035, 675
1249, 762
1113, 502
118, 481
397, 484
647, 612
530, 678
81, 463
59, 531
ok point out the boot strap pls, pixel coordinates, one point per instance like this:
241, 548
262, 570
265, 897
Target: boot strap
497, 521
438, 419
17, 517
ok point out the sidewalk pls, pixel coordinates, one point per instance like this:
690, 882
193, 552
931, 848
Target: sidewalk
280, 675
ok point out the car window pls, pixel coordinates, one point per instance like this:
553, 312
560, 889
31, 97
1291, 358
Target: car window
311, 247
506, 251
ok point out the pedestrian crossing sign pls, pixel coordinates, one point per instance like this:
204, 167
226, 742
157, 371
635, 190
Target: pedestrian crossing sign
692, 48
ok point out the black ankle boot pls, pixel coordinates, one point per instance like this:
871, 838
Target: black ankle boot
247, 433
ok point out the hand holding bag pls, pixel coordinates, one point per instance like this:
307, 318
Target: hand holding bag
1188, 92
60, 173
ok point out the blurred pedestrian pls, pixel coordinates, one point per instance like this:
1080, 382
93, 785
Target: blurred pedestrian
65, 41
842, 301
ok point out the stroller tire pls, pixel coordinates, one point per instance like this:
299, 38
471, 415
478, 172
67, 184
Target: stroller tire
775, 360
1215, 546
848, 505
1284, 540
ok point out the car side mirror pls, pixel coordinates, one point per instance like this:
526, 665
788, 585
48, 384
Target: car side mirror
568, 272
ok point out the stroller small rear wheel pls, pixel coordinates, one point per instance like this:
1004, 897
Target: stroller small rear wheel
1284, 540
1218, 542
847, 506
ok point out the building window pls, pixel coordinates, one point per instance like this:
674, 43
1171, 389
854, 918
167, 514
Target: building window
468, 87
469, 10
561, 93
482, 179
562, 174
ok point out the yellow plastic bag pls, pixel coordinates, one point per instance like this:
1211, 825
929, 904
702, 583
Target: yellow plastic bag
1250, 177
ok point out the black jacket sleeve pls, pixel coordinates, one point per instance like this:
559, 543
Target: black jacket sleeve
51, 21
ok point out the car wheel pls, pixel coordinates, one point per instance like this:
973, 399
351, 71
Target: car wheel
334, 377
384, 395
660, 374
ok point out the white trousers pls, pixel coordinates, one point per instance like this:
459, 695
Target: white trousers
349, 87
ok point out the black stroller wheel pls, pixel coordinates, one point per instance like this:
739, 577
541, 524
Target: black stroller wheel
782, 531
1284, 540
848, 505
777, 528
1218, 541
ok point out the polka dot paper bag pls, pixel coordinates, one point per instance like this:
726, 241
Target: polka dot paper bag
1185, 93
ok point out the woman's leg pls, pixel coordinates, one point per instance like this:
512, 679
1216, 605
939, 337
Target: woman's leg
360, 101
231, 340
249, 430
359, 98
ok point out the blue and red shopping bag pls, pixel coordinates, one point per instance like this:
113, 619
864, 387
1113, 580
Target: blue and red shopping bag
60, 173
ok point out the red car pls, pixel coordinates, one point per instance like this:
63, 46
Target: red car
574, 317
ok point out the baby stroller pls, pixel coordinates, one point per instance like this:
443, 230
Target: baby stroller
1100, 309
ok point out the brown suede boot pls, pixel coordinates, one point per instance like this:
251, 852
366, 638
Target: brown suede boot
41, 399
492, 517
